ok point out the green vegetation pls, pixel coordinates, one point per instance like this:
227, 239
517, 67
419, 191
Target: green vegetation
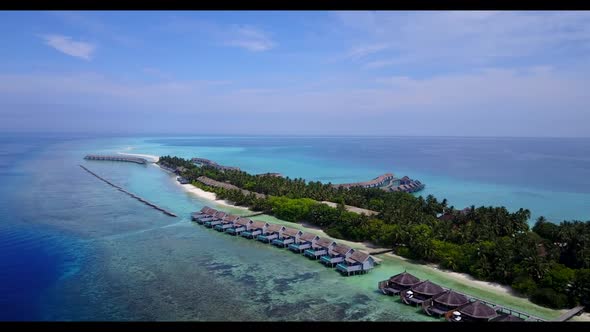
550, 263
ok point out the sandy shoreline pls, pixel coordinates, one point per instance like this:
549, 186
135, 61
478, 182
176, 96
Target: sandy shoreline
149, 157
209, 196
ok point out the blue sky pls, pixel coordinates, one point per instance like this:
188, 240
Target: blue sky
301, 72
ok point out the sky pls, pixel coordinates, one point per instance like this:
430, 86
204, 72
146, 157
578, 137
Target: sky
424, 73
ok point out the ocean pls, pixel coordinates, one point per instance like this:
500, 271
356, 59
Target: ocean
73, 248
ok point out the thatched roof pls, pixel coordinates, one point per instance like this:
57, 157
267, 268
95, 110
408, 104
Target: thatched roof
205, 209
451, 298
507, 318
404, 279
341, 249
359, 256
274, 228
478, 309
211, 211
308, 237
291, 232
427, 288
323, 242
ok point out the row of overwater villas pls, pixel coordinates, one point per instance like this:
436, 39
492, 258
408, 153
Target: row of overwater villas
347, 260
453, 306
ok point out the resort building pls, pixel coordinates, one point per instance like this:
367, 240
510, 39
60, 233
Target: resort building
379, 181
320, 248
506, 318
205, 211
239, 226
306, 240
358, 262
420, 292
210, 215
254, 229
211, 163
443, 303
182, 180
398, 283
217, 217
227, 222
287, 236
270, 233
473, 312
336, 255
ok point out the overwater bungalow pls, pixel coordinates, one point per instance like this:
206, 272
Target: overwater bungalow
336, 255
420, 292
287, 236
472, 312
239, 226
204, 212
305, 241
506, 318
320, 248
440, 304
227, 222
358, 262
254, 229
270, 233
211, 216
397, 283
216, 220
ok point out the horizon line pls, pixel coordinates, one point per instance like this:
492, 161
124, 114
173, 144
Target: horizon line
98, 134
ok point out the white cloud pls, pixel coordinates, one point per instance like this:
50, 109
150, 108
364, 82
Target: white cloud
467, 38
70, 47
365, 50
250, 39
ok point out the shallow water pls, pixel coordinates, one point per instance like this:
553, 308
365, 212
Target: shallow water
77, 249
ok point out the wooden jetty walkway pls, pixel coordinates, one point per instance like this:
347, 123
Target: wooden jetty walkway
130, 194
130, 159
570, 313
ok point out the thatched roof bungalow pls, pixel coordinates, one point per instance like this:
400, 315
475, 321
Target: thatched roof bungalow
472, 312
420, 292
397, 283
442, 303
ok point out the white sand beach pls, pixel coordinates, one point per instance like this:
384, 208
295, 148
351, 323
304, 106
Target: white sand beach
209, 196
149, 157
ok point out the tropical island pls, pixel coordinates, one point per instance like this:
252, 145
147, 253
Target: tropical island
549, 263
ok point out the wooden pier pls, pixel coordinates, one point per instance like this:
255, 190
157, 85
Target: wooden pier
130, 194
570, 313
129, 159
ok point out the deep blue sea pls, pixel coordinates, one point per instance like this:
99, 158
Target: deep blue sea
73, 248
